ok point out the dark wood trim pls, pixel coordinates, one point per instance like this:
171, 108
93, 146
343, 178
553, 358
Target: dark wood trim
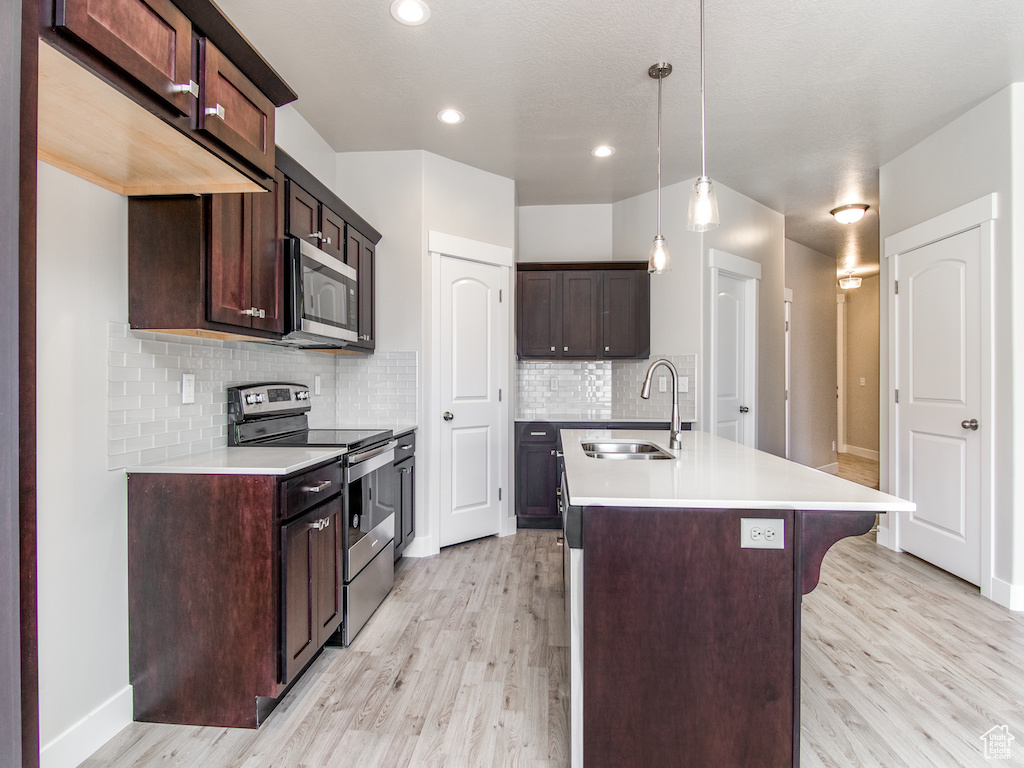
290, 167
25, 304
551, 266
818, 532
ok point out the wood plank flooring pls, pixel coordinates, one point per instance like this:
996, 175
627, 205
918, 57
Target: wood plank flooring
858, 469
465, 665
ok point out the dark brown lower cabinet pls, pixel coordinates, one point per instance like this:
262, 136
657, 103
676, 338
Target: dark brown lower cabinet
234, 584
405, 492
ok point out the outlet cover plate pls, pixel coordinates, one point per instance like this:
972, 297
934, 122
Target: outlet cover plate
762, 533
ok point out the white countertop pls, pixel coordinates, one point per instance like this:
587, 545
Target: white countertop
577, 418
262, 460
708, 473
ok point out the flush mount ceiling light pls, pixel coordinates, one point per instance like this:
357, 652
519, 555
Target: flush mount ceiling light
603, 151
450, 116
848, 214
410, 12
848, 282
703, 212
659, 261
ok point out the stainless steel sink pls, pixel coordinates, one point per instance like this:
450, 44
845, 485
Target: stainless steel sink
628, 450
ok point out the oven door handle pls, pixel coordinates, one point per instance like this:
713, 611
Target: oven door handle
362, 464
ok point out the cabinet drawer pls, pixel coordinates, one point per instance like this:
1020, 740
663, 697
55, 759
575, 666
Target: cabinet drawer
538, 432
306, 490
406, 447
151, 40
233, 110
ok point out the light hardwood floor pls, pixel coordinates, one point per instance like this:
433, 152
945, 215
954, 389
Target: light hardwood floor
858, 469
465, 665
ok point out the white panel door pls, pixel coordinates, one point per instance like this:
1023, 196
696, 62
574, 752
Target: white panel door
733, 364
939, 378
470, 367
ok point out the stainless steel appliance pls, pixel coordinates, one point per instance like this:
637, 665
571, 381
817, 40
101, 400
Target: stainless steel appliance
321, 297
276, 414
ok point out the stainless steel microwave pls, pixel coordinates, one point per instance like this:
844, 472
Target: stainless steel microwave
322, 297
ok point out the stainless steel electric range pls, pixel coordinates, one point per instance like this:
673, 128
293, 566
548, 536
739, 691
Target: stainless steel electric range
276, 414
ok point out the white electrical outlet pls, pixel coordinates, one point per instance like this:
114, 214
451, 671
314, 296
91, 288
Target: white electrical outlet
833, 446
862, 382
316, 384
188, 388
684, 383
762, 533
663, 383
554, 383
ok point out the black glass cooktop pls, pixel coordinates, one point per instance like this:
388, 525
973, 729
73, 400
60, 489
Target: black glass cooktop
352, 439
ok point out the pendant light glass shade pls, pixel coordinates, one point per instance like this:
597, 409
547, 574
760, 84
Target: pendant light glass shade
848, 282
659, 261
703, 212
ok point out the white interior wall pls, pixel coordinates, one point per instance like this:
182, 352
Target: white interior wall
963, 161
565, 233
296, 137
84, 696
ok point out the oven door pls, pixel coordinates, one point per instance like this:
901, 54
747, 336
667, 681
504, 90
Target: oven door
372, 493
323, 295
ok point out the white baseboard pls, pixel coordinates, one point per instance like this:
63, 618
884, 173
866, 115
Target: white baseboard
421, 546
884, 537
509, 526
832, 469
1008, 595
90, 733
864, 453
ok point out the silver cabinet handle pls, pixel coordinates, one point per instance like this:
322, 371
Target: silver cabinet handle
322, 485
744, 409
971, 425
190, 87
607, 349
406, 447
539, 434
255, 312
323, 522
215, 111
327, 240
552, 349
557, 454
448, 416
565, 349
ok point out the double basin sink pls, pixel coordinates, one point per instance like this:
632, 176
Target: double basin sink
626, 450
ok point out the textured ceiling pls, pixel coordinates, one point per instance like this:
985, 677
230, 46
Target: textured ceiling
805, 98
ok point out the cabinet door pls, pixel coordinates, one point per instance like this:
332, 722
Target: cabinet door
405, 526
538, 315
329, 573
233, 110
229, 259
303, 215
626, 316
267, 251
151, 40
332, 229
299, 631
361, 253
581, 314
536, 480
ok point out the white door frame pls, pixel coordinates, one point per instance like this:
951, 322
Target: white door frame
428, 521
750, 272
789, 354
980, 214
840, 373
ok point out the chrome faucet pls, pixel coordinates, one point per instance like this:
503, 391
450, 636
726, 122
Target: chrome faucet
675, 438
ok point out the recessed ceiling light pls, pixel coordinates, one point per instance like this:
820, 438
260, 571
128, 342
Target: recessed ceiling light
410, 12
848, 214
450, 116
603, 151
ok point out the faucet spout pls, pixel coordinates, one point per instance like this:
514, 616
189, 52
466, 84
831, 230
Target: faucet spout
675, 438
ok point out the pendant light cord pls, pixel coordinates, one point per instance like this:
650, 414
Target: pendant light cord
660, 78
703, 167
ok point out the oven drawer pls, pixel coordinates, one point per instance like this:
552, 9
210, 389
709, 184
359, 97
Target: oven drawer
311, 488
365, 548
367, 591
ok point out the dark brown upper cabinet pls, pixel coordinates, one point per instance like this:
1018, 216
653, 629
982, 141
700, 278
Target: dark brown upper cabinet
208, 266
592, 311
360, 253
233, 110
312, 221
151, 40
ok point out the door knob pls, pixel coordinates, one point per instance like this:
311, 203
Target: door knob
448, 415
971, 425
744, 409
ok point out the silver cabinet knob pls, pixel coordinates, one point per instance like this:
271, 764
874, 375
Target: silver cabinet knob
215, 111
191, 87
448, 416
971, 425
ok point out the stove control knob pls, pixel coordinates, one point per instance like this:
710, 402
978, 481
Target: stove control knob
261, 397
302, 395
250, 399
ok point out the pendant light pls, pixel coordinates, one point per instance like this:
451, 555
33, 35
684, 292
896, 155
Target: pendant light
659, 261
848, 282
703, 213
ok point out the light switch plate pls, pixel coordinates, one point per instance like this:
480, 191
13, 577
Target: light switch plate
188, 388
663, 383
684, 383
316, 384
762, 533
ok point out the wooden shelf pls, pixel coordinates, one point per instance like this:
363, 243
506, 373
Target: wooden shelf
92, 130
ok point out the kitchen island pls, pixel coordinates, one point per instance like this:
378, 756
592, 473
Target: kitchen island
684, 578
